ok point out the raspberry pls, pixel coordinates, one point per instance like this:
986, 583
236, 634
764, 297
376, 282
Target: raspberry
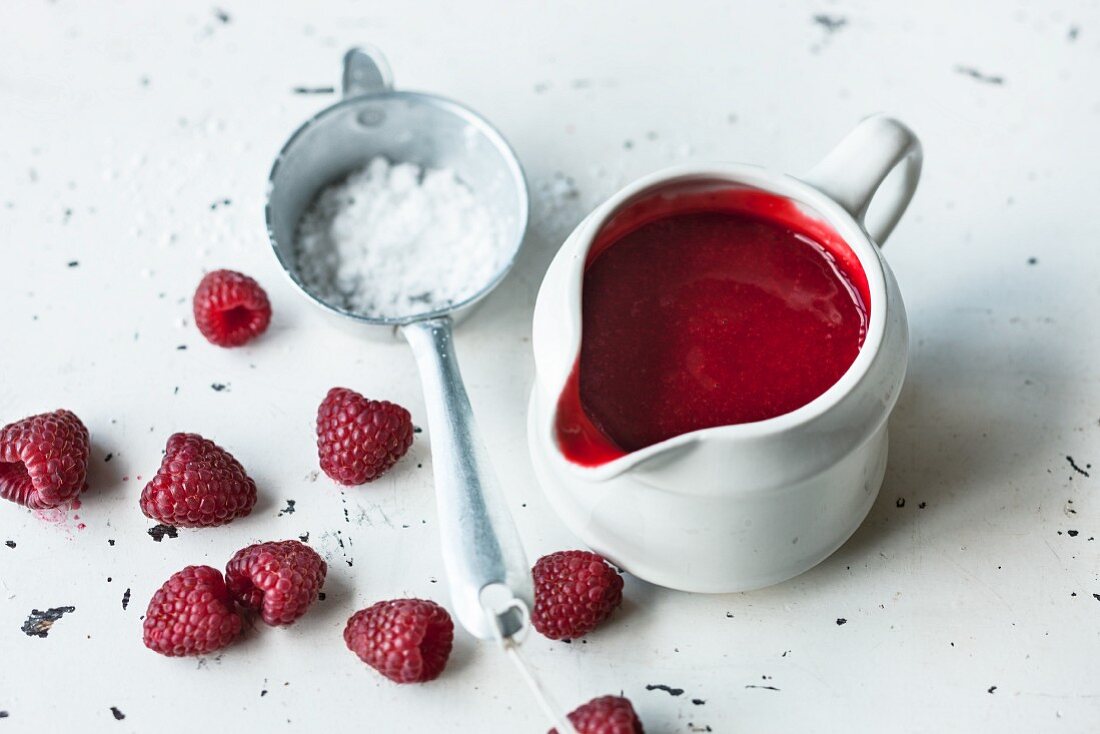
43, 459
280, 579
605, 715
406, 640
359, 439
230, 308
192, 614
574, 592
199, 484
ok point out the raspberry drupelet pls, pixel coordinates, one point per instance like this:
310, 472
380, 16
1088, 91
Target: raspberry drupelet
279, 579
199, 484
605, 715
230, 308
43, 459
191, 614
406, 640
574, 592
358, 439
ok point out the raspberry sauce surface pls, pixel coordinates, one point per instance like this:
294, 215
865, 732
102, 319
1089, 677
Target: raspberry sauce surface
707, 308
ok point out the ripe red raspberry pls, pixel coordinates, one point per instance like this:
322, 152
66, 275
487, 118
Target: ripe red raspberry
605, 715
280, 579
574, 592
43, 459
406, 640
359, 439
199, 484
192, 614
230, 308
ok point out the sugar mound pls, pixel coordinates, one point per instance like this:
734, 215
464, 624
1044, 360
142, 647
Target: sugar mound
396, 240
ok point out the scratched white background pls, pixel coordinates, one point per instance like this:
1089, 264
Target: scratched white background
135, 142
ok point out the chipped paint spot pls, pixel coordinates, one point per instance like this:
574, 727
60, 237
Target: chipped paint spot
40, 623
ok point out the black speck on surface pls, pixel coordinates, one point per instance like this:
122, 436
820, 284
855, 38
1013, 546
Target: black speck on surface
900, 503
74, 263
992, 688
766, 688
119, 716
1072, 33
321, 596
831, 23
922, 505
108, 457
1096, 597
1072, 533
417, 429
125, 599
219, 386
4, 714
110, 541
288, 510
667, 689
698, 701
181, 348
214, 205
1033, 261
38, 623
1073, 465
9, 543
222, 16
157, 532
314, 90
304, 537
978, 76
841, 621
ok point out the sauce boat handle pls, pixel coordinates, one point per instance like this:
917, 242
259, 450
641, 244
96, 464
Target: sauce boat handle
853, 171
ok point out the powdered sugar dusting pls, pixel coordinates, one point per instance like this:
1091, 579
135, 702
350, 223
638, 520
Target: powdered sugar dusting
396, 240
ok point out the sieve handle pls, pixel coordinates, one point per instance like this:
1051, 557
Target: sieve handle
482, 552
366, 71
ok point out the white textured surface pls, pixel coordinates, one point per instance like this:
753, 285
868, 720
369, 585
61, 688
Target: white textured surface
126, 130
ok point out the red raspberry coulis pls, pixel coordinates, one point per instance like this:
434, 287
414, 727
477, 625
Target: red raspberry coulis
707, 308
